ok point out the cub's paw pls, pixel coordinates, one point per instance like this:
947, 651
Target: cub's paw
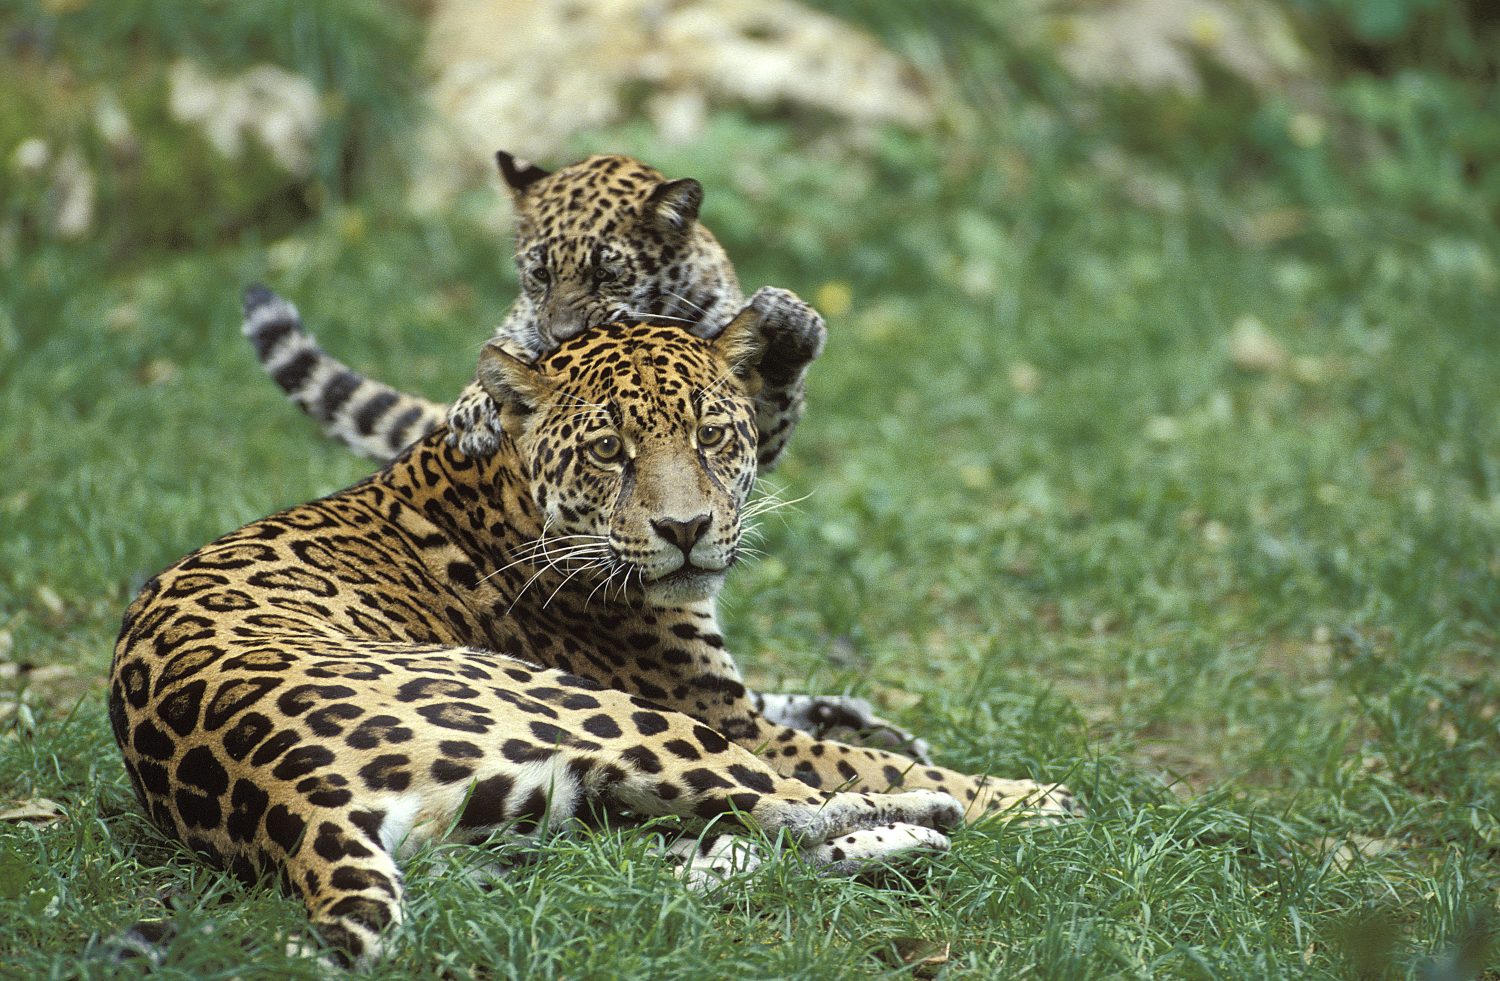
794, 334
869, 850
474, 423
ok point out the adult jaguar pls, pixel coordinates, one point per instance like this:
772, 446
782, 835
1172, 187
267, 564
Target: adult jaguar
610, 210
463, 643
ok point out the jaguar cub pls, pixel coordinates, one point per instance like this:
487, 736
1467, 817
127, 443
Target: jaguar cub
463, 643
605, 239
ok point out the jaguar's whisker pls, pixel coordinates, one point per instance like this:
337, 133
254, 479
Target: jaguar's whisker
701, 310
642, 315
539, 549
600, 585
566, 580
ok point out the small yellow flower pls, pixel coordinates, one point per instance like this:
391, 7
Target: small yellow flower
352, 226
1206, 30
1024, 377
975, 476
1306, 130
834, 298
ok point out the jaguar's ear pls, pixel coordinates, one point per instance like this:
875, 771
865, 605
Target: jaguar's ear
742, 342
518, 174
673, 206
515, 386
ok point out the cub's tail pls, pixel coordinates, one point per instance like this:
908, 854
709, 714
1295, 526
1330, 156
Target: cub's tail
369, 417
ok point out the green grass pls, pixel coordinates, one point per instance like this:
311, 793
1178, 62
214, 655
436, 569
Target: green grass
1251, 616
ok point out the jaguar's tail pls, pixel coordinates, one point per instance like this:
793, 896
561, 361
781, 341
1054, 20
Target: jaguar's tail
368, 416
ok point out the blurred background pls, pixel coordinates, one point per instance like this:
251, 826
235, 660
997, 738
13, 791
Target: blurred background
152, 127
1158, 433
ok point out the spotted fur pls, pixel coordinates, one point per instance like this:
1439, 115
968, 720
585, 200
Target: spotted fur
605, 239
268, 316
517, 640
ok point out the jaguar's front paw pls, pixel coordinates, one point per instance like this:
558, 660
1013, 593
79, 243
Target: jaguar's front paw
865, 851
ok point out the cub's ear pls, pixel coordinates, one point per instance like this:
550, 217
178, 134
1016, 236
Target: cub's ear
518, 174
514, 385
742, 342
673, 206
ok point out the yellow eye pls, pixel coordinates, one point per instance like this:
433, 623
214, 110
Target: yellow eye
606, 449
710, 436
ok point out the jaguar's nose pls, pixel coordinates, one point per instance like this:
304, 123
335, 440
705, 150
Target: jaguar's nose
683, 534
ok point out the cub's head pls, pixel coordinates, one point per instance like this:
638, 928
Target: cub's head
612, 239
638, 444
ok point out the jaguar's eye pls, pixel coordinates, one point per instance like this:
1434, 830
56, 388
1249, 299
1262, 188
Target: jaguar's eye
710, 436
606, 449
540, 275
603, 274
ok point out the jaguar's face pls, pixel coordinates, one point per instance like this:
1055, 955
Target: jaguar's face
598, 241
576, 281
639, 445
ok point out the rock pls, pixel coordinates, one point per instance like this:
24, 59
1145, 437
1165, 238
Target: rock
528, 77
278, 108
1156, 44
1252, 348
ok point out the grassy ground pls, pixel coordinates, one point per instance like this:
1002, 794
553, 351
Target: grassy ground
1249, 611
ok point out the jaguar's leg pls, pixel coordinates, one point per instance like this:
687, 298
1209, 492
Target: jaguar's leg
608, 749
830, 765
708, 687
505, 745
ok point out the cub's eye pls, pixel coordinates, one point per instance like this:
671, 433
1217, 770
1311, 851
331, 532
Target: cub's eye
710, 436
603, 274
541, 276
606, 449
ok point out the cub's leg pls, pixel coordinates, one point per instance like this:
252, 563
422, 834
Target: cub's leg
794, 334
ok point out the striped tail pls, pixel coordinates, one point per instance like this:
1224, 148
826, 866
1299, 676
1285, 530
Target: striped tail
369, 417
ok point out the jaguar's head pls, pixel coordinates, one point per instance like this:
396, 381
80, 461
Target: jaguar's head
607, 239
637, 441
